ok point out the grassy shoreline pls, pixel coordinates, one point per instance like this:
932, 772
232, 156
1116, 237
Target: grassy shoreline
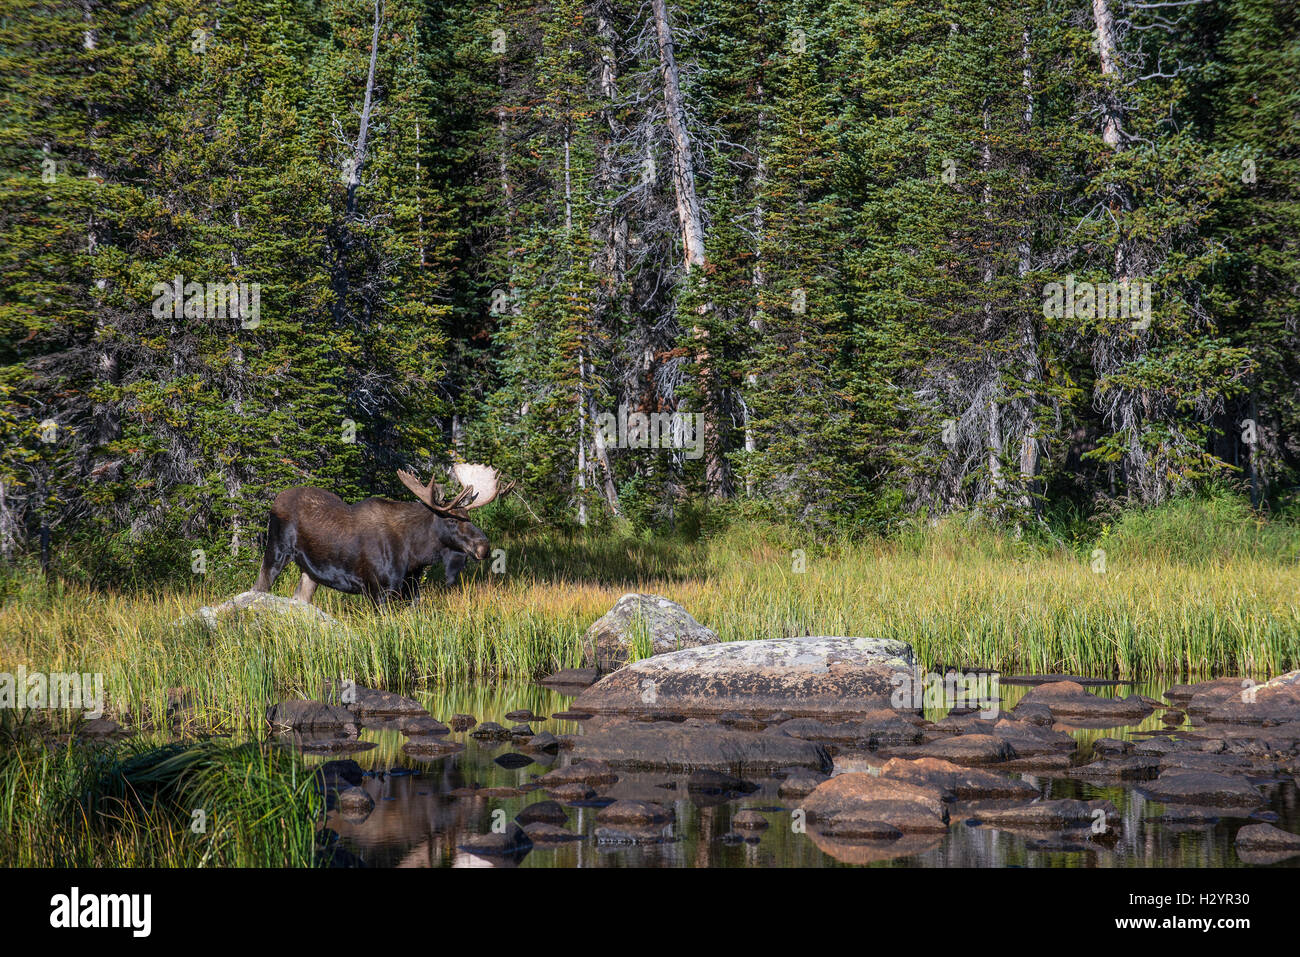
960, 595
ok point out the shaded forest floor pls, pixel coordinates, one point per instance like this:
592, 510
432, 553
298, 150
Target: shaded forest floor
1195, 589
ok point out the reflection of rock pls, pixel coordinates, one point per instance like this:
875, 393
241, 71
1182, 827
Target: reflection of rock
1205, 788
662, 624
801, 676
858, 851
881, 729
252, 606
1070, 699
692, 745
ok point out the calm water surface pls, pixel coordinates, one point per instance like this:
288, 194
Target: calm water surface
416, 822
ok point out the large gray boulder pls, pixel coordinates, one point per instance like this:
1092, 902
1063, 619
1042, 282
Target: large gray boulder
800, 676
254, 606
644, 624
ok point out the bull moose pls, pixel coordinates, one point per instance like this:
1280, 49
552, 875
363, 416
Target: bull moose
377, 547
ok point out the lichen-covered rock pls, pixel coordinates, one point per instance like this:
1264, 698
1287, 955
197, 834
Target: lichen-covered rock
817, 676
640, 626
252, 606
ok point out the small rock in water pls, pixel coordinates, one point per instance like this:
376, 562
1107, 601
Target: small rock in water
462, 722
749, 820
521, 731
595, 773
1204, 788
571, 792
522, 714
543, 742
800, 783
548, 812
708, 781
509, 842
1266, 837
355, 804
421, 724
573, 677
634, 812
431, 745
300, 715
490, 731
542, 832
1111, 746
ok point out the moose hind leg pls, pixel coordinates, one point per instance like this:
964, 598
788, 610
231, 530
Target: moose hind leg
306, 588
275, 557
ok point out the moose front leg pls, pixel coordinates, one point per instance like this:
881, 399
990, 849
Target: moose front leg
452, 563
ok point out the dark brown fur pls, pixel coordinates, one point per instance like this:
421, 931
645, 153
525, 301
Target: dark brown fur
378, 548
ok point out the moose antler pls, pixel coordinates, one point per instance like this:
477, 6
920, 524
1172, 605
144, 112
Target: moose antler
431, 494
483, 482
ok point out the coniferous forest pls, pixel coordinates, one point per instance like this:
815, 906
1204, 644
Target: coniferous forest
836, 263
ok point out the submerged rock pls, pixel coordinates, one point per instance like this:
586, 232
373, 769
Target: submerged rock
548, 812
860, 798
1276, 701
593, 773
958, 783
1070, 699
801, 676
663, 625
1202, 788
640, 813
461, 722
1266, 837
689, 746
512, 841
299, 715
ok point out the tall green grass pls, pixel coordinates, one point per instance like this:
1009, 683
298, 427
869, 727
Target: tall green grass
1214, 592
134, 805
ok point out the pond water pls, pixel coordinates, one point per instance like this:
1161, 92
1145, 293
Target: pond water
418, 822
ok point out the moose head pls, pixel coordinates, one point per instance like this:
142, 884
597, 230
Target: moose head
479, 485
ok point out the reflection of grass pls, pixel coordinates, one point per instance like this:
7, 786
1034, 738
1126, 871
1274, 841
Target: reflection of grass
959, 596
134, 805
